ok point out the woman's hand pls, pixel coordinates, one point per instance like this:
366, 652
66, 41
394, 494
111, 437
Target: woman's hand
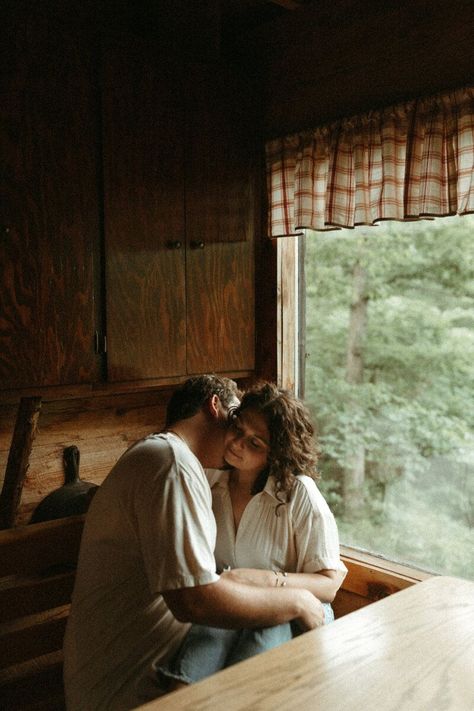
312, 611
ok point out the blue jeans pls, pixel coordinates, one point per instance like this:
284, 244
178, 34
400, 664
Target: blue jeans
207, 650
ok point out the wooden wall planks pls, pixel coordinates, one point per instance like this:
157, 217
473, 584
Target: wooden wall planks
49, 149
101, 427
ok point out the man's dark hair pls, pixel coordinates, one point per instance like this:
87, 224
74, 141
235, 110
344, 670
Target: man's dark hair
188, 399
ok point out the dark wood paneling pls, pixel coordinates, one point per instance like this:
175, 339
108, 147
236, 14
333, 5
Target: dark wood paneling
27, 597
220, 214
336, 58
220, 312
49, 206
33, 549
23, 644
144, 214
219, 156
39, 690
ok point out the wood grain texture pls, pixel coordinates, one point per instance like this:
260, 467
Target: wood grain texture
35, 601
220, 313
219, 158
34, 605
220, 214
49, 209
20, 596
144, 213
18, 459
266, 314
37, 567
287, 335
102, 427
20, 645
412, 651
346, 602
37, 548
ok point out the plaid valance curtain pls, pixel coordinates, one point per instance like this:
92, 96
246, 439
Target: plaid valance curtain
408, 161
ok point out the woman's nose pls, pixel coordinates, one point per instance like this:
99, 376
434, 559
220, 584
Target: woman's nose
237, 440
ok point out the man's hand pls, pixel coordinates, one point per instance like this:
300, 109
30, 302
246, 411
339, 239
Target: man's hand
233, 605
312, 612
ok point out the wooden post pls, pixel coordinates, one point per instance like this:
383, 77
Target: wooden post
18, 458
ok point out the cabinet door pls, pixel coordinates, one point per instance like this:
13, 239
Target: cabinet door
144, 214
49, 208
219, 153
221, 320
220, 181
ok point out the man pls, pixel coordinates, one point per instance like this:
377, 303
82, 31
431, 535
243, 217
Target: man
146, 568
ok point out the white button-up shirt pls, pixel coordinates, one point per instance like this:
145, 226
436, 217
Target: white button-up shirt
299, 536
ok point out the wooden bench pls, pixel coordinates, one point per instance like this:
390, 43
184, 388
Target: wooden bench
37, 568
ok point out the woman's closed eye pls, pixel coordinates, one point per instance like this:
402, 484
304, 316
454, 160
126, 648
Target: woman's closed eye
253, 442
256, 444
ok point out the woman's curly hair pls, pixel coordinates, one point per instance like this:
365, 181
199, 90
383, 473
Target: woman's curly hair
293, 447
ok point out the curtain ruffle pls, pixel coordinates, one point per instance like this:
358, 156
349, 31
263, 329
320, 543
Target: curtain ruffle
408, 161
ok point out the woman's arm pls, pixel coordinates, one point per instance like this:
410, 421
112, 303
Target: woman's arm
324, 584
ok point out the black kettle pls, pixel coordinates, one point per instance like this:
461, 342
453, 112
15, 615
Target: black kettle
72, 498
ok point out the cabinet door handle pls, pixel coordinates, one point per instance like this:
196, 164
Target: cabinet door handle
174, 244
196, 245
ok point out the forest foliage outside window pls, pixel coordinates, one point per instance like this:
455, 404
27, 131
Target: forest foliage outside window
389, 377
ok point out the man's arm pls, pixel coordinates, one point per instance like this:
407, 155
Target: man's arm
231, 604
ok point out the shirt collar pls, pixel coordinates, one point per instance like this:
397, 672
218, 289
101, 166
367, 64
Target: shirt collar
269, 488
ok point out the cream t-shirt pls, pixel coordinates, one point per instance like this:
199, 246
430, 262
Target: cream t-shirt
150, 528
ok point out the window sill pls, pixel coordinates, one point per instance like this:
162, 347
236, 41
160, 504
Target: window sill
372, 578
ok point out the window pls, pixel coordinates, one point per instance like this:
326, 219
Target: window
386, 365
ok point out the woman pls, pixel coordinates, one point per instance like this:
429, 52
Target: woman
274, 528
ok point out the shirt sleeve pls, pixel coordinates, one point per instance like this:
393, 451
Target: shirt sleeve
177, 531
315, 528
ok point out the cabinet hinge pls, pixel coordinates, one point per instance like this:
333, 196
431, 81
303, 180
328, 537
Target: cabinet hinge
100, 343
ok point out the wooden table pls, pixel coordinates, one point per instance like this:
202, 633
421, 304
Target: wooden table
412, 651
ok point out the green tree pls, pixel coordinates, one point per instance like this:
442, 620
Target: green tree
390, 333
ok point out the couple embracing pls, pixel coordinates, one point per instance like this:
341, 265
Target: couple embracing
182, 571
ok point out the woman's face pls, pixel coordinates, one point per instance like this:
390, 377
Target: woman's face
247, 442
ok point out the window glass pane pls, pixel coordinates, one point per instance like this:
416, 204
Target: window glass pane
389, 378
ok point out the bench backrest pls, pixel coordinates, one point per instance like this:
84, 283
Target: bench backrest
37, 569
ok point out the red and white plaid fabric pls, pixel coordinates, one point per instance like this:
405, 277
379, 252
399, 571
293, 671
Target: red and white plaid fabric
409, 161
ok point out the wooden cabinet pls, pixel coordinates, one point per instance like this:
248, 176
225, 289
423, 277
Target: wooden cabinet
49, 215
128, 179
178, 218
144, 221
220, 194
